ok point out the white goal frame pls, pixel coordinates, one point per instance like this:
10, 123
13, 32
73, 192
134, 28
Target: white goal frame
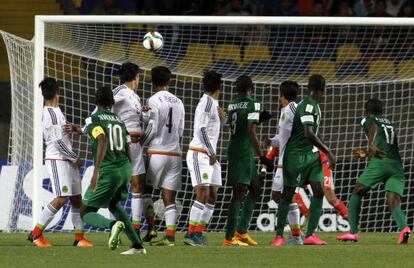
39, 47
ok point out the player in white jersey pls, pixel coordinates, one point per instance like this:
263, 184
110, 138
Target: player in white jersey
287, 95
202, 161
63, 167
129, 109
163, 137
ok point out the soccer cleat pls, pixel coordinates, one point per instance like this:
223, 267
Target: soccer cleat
294, 240
234, 243
39, 241
116, 231
405, 235
348, 237
165, 242
83, 243
278, 241
192, 240
202, 239
151, 234
133, 251
313, 240
245, 238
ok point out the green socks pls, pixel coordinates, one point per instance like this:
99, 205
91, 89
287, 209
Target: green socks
97, 220
121, 215
246, 213
315, 210
399, 217
232, 219
354, 211
283, 210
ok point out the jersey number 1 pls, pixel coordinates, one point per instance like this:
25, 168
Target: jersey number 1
115, 137
389, 133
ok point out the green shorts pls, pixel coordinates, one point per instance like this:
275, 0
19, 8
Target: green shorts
388, 171
301, 168
111, 185
242, 171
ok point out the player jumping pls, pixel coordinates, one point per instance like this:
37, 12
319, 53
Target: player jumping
302, 164
202, 161
163, 137
63, 166
243, 117
112, 173
384, 166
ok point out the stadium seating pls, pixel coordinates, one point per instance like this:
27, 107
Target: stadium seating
351, 70
323, 67
112, 51
405, 69
198, 58
227, 68
381, 69
228, 52
348, 52
256, 53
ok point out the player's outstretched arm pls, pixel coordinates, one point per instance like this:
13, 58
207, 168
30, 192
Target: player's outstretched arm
316, 141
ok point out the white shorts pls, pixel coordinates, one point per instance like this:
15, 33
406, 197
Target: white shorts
277, 184
65, 178
137, 161
201, 172
164, 171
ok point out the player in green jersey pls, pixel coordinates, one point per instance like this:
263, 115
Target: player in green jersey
112, 173
243, 117
302, 163
385, 166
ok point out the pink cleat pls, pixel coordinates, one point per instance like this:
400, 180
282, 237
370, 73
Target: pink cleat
278, 241
313, 240
405, 235
348, 237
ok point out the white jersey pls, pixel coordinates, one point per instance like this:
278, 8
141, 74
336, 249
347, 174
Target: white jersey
284, 129
57, 140
206, 126
166, 124
128, 108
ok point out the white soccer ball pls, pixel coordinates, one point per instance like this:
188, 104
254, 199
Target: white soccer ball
153, 41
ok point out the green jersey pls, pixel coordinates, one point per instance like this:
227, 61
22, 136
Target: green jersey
307, 113
241, 112
386, 138
107, 123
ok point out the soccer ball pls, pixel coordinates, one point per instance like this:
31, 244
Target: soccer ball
153, 41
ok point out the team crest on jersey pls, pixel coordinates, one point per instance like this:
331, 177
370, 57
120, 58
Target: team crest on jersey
283, 117
65, 189
205, 176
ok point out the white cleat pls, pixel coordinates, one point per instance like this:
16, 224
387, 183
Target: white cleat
133, 251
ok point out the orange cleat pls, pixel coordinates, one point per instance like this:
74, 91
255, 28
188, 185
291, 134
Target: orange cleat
41, 242
234, 242
83, 243
245, 238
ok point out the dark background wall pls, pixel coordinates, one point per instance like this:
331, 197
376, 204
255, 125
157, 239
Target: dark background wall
5, 112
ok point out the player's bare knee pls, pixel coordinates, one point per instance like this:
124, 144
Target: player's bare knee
76, 201
168, 197
202, 193
136, 186
212, 195
58, 202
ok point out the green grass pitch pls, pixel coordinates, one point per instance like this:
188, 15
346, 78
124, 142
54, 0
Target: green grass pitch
373, 250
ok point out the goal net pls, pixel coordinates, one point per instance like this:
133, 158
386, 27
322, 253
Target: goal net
360, 59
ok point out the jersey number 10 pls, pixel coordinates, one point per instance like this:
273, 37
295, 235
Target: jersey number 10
115, 137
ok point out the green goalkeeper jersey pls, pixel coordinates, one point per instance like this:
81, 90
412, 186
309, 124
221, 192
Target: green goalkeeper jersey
307, 113
241, 112
107, 123
386, 139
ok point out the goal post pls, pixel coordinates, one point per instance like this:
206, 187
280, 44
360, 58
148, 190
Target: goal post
356, 55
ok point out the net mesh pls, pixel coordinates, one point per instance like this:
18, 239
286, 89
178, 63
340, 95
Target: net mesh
358, 63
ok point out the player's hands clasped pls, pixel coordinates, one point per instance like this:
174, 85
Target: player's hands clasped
145, 108
72, 128
331, 159
222, 114
213, 159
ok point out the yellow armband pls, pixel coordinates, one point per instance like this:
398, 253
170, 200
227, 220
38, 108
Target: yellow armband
98, 130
